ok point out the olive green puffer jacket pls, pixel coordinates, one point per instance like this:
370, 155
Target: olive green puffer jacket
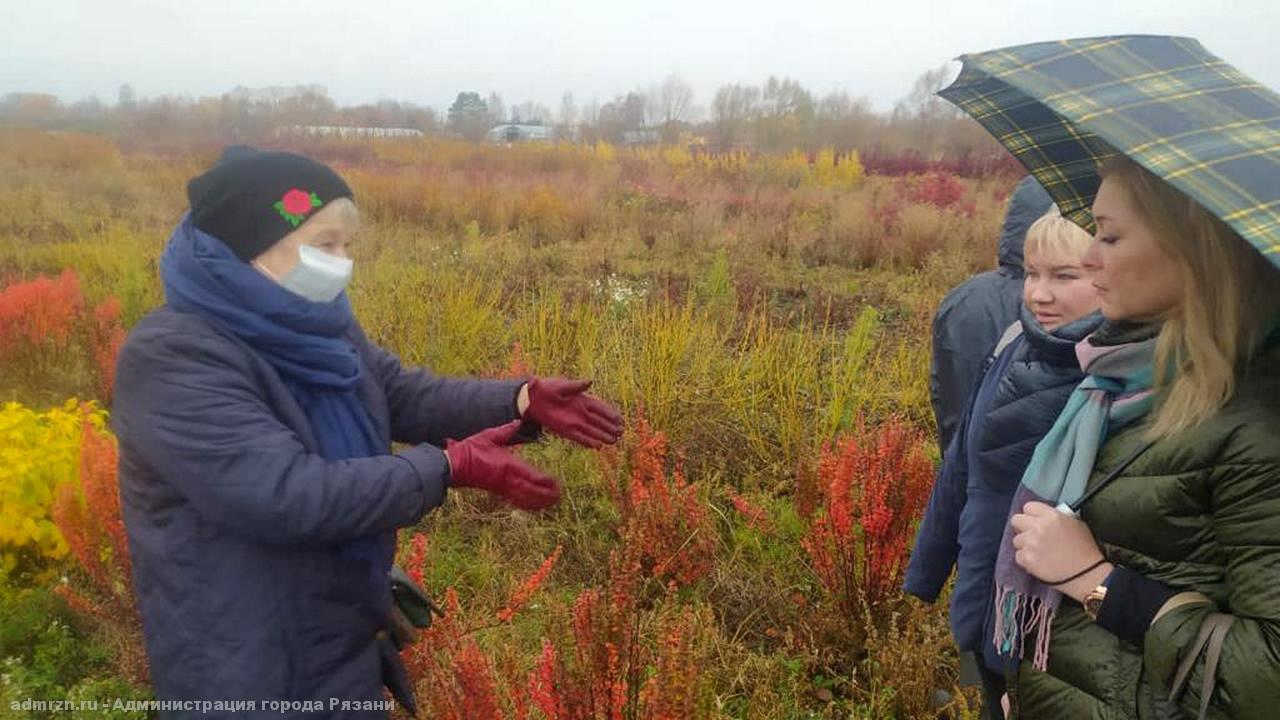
1200, 511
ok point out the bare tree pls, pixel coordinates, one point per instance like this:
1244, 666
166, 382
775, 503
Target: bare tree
589, 122
126, 99
924, 114
675, 98
784, 97
732, 108
786, 115
497, 111
923, 101
568, 117
672, 105
621, 115
844, 123
530, 113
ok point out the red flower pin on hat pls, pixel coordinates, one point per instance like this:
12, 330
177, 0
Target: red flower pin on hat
296, 205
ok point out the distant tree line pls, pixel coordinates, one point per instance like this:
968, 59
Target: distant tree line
777, 115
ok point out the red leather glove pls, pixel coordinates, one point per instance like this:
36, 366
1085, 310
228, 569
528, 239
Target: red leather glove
564, 407
483, 461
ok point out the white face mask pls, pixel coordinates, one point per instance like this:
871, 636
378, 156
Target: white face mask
318, 276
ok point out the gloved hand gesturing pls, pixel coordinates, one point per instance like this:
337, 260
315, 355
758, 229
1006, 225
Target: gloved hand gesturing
565, 408
483, 461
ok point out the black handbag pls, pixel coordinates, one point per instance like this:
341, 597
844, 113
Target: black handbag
412, 599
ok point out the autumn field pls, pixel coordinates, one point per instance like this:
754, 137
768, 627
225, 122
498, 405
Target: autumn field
761, 318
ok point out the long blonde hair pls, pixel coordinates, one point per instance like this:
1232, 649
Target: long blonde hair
1230, 301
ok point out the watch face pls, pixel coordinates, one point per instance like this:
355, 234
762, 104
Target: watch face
1093, 602
1091, 606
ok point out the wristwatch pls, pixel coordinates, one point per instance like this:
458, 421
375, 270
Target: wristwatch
1093, 601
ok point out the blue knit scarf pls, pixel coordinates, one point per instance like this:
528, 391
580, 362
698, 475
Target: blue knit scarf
303, 340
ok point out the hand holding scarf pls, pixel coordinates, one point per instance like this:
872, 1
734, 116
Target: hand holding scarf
1117, 392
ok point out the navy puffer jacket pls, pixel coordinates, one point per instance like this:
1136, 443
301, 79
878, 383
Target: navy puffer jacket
972, 317
1020, 397
236, 524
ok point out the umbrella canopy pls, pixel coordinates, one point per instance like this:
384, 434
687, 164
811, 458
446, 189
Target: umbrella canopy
1168, 104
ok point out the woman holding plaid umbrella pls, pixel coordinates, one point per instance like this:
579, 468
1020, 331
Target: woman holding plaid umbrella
1139, 575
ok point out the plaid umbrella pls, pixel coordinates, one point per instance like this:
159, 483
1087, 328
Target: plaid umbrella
1187, 116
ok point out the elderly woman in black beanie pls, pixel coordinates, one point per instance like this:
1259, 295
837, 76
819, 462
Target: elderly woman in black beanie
259, 488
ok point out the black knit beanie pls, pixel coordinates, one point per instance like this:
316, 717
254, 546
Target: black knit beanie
250, 198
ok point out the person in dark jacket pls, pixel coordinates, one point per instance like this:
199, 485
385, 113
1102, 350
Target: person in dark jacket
258, 485
1034, 371
973, 316
1141, 576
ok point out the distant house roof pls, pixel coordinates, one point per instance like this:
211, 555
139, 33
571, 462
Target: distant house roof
347, 131
642, 136
515, 132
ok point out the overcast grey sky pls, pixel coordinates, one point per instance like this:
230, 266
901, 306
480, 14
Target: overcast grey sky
426, 51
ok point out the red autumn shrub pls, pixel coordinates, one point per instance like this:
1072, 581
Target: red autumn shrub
107, 336
939, 189
600, 668
606, 671
672, 692
416, 559
88, 515
600, 665
663, 516
529, 586
755, 515
454, 678
40, 313
968, 165
874, 484
46, 318
598, 677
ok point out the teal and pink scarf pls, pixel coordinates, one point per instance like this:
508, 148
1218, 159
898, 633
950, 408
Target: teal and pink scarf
1117, 392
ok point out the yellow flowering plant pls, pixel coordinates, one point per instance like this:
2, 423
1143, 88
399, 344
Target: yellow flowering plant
39, 451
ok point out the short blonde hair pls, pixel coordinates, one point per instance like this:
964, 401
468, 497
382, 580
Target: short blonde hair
1230, 300
1053, 234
